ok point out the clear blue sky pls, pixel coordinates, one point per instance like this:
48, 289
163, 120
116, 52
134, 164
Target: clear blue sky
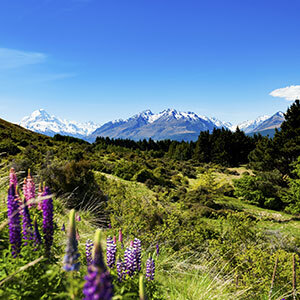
106, 59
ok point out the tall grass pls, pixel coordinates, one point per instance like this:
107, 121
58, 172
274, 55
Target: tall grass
195, 279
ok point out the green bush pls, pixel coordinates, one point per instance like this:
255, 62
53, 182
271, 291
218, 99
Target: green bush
75, 182
263, 189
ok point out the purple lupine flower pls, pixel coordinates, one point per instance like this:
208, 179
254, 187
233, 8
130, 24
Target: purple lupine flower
130, 260
111, 251
121, 270
13, 177
150, 268
27, 224
72, 255
36, 235
109, 226
14, 221
63, 228
47, 220
88, 251
138, 253
98, 282
157, 249
115, 239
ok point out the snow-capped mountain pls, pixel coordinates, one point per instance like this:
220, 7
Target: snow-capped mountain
40, 121
168, 124
271, 123
261, 123
249, 126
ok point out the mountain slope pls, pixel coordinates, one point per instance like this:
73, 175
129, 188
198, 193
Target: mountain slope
168, 124
249, 126
40, 121
271, 123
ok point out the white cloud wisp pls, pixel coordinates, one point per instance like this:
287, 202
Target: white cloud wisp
289, 93
12, 59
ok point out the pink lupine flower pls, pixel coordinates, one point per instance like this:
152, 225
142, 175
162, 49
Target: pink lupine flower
30, 189
13, 177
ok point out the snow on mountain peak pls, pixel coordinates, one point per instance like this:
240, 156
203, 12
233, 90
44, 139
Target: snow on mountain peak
42, 122
250, 125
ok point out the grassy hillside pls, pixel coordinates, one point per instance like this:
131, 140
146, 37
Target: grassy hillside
213, 245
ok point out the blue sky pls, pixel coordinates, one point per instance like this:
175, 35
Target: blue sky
106, 59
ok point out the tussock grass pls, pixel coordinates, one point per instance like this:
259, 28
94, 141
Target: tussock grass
195, 279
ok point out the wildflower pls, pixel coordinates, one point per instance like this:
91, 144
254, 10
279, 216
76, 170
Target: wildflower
63, 228
130, 260
29, 188
115, 239
109, 226
13, 177
71, 257
120, 269
150, 268
98, 282
36, 235
111, 250
14, 221
138, 253
157, 249
27, 224
48, 220
88, 251
120, 236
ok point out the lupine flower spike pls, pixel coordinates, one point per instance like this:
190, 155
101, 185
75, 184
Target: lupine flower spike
98, 283
157, 249
30, 189
14, 221
121, 269
27, 224
121, 237
13, 178
88, 251
130, 260
111, 251
47, 220
115, 239
150, 268
63, 228
138, 253
36, 235
72, 255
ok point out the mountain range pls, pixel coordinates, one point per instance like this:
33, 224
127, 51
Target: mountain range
168, 124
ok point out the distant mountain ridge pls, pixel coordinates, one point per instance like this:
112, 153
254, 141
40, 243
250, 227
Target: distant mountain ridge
40, 121
168, 124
